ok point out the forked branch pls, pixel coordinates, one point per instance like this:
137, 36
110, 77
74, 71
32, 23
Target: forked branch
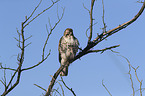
131, 79
44, 47
28, 22
68, 87
21, 45
120, 27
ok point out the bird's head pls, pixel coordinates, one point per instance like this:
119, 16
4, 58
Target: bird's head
68, 32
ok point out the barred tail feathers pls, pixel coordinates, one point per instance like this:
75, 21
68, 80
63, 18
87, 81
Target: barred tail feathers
64, 72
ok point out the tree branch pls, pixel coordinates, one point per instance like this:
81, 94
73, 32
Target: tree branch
51, 29
103, 18
40, 87
20, 62
68, 87
49, 33
91, 20
130, 75
140, 81
106, 88
53, 80
37, 63
39, 13
7, 68
102, 50
33, 12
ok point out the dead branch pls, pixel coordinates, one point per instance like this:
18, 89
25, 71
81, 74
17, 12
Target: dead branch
1, 67
39, 13
39, 87
103, 18
20, 62
135, 71
68, 87
140, 81
91, 20
37, 63
53, 80
106, 88
102, 50
21, 44
43, 52
130, 75
51, 29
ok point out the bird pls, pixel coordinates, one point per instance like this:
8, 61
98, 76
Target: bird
68, 47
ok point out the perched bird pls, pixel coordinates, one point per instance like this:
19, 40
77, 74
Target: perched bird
68, 47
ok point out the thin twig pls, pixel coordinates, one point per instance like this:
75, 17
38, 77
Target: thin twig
7, 68
28, 38
86, 8
89, 28
4, 80
56, 91
37, 63
135, 70
106, 88
130, 75
51, 29
102, 50
140, 81
131, 80
40, 13
103, 18
33, 12
68, 87
40, 87
59, 85
91, 21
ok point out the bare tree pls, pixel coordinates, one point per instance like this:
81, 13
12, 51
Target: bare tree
22, 46
91, 43
8, 87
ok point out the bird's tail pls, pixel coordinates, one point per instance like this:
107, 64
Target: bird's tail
64, 72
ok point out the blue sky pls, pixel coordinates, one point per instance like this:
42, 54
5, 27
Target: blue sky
85, 75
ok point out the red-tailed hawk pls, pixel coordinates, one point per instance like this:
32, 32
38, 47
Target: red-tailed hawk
68, 47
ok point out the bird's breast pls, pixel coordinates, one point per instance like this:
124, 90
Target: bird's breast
69, 40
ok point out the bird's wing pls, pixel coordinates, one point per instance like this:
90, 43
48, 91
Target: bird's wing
60, 49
